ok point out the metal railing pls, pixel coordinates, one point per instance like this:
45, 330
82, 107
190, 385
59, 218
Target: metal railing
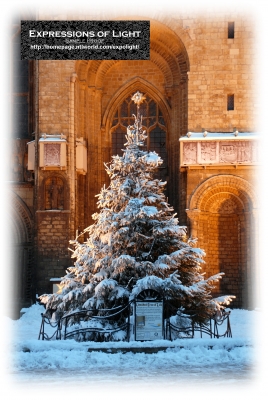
209, 327
103, 324
81, 324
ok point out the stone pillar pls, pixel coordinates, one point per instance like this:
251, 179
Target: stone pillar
243, 257
72, 153
255, 278
251, 284
100, 133
193, 222
173, 148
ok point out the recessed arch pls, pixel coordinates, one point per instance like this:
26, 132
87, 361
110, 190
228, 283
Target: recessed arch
55, 192
174, 38
21, 220
103, 85
20, 283
162, 58
165, 43
221, 216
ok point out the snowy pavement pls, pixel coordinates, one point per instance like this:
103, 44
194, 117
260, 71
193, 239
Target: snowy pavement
194, 364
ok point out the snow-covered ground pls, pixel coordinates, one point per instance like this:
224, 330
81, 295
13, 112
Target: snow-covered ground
42, 367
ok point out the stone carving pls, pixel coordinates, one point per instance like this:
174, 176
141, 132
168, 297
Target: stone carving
244, 152
220, 152
52, 154
54, 194
227, 206
228, 152
208, 151
190, 153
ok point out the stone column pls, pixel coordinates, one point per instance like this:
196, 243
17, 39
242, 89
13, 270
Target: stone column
173, 147
193, 222
255, 276
244, 257
72, 153
99, 132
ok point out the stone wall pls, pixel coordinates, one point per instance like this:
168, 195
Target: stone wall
52, 245
193, 67
221, 66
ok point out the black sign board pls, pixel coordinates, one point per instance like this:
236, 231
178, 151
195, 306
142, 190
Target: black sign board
85, 40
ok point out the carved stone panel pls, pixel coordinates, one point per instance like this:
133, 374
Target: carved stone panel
54, 194
190, 153
208, 152
220, 152
228, 152
52, 154
228, 206
244, 152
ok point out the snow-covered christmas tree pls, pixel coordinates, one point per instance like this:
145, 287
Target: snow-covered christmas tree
136, 243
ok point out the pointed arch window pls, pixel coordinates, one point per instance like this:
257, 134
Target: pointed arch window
153, 123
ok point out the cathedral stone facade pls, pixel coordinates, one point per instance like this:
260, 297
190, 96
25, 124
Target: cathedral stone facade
71, 116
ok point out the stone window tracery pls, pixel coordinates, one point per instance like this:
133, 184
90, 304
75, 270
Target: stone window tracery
153, 123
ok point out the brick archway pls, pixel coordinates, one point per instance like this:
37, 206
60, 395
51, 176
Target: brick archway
221, 215
239, 187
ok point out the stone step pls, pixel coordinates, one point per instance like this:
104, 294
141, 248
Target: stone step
151, 350
123, 350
